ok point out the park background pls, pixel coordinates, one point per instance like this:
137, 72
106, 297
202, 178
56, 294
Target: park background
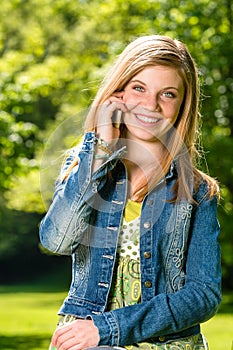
53, 55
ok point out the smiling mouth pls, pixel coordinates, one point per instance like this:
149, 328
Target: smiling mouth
146, 119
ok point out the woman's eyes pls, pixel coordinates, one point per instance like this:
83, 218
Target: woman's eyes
139, 88
167, 94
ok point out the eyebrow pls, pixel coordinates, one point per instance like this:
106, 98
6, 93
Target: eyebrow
137, 81
141, 82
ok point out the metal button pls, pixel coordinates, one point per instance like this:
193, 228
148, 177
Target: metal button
147, 224
147, 255
148, 284
162, 338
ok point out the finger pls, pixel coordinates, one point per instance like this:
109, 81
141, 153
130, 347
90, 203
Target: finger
65, 337
80, 346
107, 110
71, 343
114, 105
61, 331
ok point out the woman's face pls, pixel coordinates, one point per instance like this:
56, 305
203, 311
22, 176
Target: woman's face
153, 98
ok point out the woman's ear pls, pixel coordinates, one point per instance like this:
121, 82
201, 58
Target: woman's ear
119, 94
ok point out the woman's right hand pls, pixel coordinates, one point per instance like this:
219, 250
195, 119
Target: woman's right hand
77, 335
105, 129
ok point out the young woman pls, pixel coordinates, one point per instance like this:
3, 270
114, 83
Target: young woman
137, 216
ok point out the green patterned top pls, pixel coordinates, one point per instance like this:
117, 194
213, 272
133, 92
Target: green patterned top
126, 284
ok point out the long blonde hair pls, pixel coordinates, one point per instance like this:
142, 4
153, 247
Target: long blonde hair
181, 145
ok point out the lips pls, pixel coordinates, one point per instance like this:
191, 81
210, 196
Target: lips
147, 119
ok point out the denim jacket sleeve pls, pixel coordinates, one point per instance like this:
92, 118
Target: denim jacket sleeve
169, 313
62, 227
165, 313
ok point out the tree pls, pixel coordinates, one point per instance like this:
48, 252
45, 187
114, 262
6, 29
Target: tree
55, 53
16, 148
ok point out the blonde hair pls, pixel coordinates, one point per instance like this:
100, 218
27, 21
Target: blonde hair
181, 145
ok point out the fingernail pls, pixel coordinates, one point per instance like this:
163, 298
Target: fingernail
53, 348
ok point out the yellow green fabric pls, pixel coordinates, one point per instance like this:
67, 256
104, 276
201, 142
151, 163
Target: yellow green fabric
126, 284
132, 210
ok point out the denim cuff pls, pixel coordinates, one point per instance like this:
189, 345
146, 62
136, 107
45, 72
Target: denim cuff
108, 329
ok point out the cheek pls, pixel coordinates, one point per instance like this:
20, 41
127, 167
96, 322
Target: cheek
176, 108
128, 97
125, 97
172, 113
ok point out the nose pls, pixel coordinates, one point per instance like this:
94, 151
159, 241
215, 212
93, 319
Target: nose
151, 102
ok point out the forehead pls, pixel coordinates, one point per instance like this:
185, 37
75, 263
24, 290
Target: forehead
159, 74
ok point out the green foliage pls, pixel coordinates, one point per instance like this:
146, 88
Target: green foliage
17, 146
53, 55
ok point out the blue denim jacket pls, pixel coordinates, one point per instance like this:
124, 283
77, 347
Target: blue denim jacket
179, 251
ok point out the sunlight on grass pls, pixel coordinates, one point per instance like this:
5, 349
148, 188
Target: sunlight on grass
28, 319
26, 313
219, 332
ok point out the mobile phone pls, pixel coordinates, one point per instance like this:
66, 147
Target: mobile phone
116, 118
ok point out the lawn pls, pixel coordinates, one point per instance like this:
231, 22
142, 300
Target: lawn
28, 318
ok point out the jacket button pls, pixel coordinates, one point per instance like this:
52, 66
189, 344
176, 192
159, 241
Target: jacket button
147, 224
148, 284
161, 338
147, 255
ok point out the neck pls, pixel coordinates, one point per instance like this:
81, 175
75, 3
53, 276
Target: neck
145, 153
143, 166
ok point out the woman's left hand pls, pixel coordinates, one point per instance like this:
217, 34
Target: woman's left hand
77, 335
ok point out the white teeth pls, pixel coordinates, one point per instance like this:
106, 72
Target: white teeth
146, 119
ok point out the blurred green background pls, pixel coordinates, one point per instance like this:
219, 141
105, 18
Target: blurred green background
53, 55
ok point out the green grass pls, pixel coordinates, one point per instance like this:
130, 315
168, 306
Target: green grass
28, 317
219, 332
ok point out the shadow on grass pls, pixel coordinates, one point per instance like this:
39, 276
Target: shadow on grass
47, 283
25, 342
